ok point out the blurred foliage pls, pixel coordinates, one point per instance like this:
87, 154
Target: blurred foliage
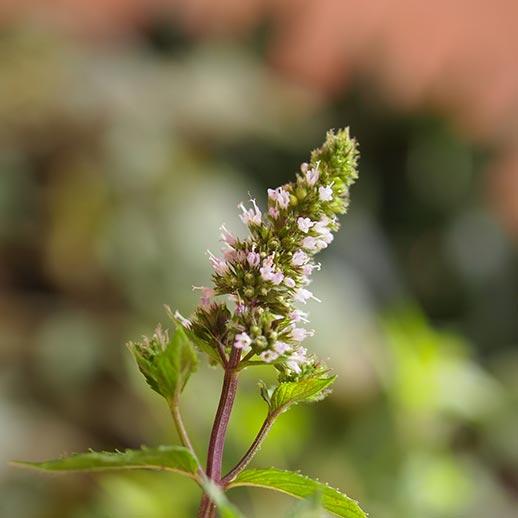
118, 164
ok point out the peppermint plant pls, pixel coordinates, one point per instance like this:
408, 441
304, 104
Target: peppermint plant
249, 317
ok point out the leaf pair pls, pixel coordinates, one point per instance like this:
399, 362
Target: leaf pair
180, 460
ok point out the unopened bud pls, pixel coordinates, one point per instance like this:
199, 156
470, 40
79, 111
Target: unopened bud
301, 192
261, 342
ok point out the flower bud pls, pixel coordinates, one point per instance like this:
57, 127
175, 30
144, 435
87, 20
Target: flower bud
261, 342
274, 244
301, 193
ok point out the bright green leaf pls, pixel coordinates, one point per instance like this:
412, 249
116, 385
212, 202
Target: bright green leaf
166, 458
293, 392
299, 486
166, 363
309, 508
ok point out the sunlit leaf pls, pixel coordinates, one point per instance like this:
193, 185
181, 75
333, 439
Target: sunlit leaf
166, 363
166, 458
311, 507
290, 393
300, 486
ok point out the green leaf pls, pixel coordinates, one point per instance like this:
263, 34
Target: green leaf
166, 364
299, 486
309, 508
225, 508
166, 458
290, 393
204, 347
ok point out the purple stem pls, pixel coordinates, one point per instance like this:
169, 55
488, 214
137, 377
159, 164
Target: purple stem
219, 429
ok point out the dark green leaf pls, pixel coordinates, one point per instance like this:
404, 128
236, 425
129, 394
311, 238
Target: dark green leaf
167, 458
204, 346
300, 486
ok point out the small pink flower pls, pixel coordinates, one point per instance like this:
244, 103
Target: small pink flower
322, 225
253, 259
273, 212
268, 273
303, 295
207, 296
242, 341
304, 224
267, 268
251, 216
220, 266
327, 237
304, 167
297, 359
182, 320
281, 347
289, 282
279, 195
299, 258
268, 356
325, 193
299, 334
309, 243
229, 254
299, 316
323, 231
240, 308
227, 236
277, 278
307, 269
312, 176
320, 244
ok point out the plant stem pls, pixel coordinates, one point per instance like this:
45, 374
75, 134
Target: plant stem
254, 447
180, 426
219, 429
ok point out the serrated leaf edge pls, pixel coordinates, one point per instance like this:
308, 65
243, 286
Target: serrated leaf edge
38, 466
235, 483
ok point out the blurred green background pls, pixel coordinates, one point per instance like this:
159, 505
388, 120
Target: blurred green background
130, 131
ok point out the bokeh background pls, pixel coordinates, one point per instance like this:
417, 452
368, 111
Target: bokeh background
130, 130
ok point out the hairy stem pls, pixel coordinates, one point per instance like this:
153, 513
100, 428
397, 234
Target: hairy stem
219, 429
182, 432
254, 448
180, 426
